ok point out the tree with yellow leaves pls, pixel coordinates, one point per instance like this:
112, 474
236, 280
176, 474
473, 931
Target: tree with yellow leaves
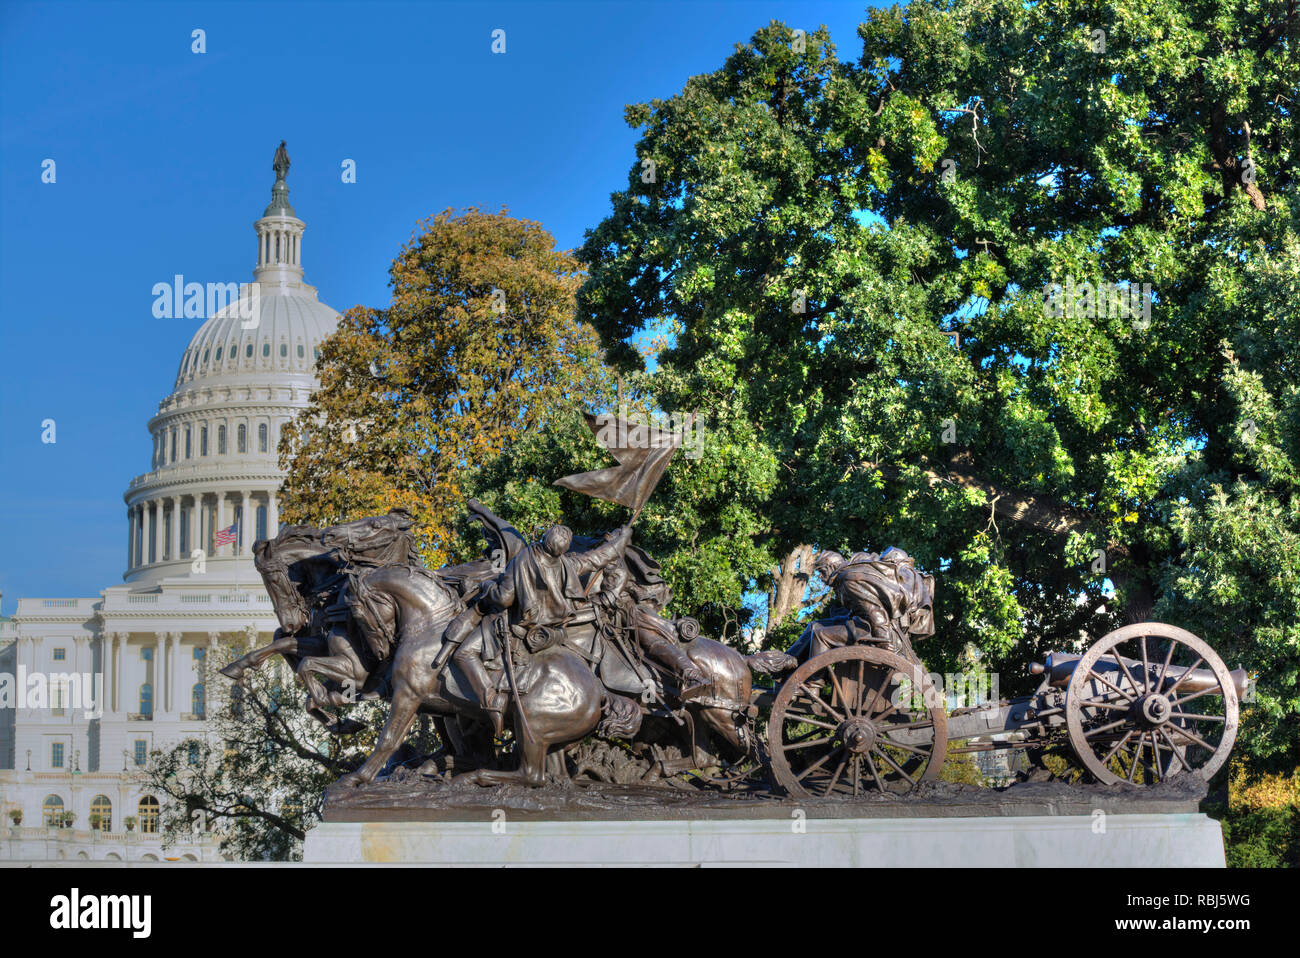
479, 345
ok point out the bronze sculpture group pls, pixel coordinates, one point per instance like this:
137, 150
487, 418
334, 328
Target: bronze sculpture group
561, 651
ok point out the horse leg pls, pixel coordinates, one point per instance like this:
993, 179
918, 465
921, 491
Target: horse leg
531, 770
406, 703
556, 765
339, 668
255, 659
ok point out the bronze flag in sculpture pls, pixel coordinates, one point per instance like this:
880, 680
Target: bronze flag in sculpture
643, 452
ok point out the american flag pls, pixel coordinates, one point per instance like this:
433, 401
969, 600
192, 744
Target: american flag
226, 537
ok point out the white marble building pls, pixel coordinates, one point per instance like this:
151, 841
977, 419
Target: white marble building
214, 465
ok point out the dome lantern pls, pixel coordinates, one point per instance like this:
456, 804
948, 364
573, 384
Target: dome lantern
279, 231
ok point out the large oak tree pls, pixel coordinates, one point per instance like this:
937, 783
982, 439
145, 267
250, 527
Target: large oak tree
851, 256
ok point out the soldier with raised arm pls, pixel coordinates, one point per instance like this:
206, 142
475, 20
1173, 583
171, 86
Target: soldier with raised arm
541, 589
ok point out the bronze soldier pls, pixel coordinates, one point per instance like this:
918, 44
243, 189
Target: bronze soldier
540, 590
884, 599
635, 606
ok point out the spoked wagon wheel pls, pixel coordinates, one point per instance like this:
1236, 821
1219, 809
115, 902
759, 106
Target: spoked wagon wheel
1149, 701
853, 720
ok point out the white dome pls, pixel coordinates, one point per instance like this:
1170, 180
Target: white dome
280, 343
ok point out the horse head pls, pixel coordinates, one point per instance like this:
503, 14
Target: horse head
278, 562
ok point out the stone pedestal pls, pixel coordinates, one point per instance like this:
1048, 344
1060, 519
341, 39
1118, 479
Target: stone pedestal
1129, 841
942, 826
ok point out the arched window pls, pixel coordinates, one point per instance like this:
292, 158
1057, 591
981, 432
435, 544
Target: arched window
266, 350
221, 440
188, 432
241, 438
284, 350
316, 353
101, 813
219, 348
193, 753
203, 440
173, 457
198, 700
148, 809
146, 699
261, 437
248, 351
301, 351
205, 355
52, 811
261, 522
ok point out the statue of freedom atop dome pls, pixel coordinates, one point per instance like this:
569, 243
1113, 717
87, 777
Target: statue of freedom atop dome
281, 162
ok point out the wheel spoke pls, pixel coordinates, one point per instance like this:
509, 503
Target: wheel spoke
810, 720
1180, 755
899, 726
878, 693
1164, 669
1105, 728
1185, 676
1117, 746
1214, 690
1118, 691
1199, 741
1146, 664
1123, 667
836, 777
894, 707
1200, 718
803, 737
874, 774
839, 692
857, 772
817, 701
908, 748
1155, 757
818, 764
1099, 704
897, 768
798, 745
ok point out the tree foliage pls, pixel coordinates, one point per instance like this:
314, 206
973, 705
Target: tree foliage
478, 345
851, 258
257, 779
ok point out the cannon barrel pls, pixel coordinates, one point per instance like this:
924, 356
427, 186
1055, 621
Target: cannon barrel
1061, 665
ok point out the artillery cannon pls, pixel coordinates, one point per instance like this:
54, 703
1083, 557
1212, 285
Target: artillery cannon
867, 717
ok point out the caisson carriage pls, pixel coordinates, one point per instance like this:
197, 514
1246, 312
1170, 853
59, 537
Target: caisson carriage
1141, 704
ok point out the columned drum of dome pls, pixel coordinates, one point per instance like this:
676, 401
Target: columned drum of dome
215, 475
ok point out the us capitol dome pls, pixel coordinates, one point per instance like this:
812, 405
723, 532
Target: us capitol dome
244, 375
190, 588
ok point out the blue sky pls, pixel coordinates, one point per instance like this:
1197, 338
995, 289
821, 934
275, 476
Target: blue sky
163, 163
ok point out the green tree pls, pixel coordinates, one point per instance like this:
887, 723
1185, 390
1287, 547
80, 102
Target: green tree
258, 778
852, 258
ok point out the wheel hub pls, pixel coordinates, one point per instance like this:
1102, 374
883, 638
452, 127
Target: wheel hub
1154, 709
858, 735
